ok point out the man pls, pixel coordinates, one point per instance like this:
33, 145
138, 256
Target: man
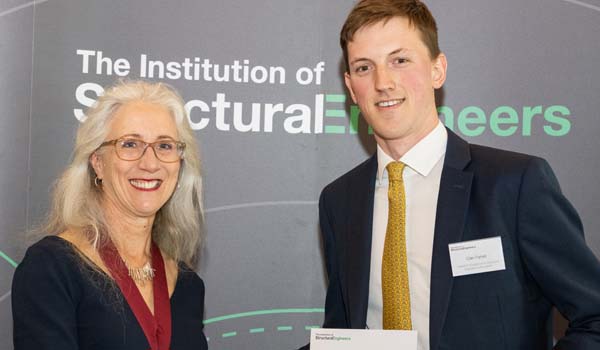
453, 192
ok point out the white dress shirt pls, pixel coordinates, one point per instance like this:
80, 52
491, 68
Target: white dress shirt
422, 175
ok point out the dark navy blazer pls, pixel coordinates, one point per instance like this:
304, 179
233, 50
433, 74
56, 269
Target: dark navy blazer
484, 192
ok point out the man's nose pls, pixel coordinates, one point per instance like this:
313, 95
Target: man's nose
383, 79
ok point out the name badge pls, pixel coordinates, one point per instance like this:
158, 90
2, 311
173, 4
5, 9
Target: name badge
478, 256
361, 339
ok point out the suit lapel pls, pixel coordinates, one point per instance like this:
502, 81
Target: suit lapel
452, 206
358, 248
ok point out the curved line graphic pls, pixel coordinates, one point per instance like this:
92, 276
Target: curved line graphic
262, 330
8, 259
262, 312
20, 7
258, 204
5, 296
584, 4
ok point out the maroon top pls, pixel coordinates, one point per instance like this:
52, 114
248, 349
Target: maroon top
157, 327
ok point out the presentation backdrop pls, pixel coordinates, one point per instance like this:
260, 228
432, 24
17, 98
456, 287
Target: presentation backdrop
264, 87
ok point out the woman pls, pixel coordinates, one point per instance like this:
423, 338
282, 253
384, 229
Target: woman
114, 272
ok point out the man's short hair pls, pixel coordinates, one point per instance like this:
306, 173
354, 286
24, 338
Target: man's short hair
368, 12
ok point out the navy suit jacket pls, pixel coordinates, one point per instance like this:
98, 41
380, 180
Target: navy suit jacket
484, 192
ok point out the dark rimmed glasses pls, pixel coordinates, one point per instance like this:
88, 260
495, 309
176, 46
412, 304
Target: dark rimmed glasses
128, 148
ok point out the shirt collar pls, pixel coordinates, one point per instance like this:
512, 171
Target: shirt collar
422, 157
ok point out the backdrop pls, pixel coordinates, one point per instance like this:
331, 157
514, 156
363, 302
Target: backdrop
263, 83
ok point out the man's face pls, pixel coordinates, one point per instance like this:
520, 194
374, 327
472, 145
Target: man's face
392, 78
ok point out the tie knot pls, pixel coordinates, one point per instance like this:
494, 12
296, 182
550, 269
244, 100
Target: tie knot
395, 170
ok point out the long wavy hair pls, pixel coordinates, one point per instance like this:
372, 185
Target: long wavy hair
76, 203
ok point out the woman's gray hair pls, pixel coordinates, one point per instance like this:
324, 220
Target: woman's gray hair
177, 228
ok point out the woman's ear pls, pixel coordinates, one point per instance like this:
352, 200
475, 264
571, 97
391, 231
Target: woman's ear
97, 164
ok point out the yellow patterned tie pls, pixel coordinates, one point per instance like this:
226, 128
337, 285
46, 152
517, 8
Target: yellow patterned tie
394, 269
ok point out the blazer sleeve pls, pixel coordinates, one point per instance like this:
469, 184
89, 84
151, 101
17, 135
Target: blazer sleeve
43, 304
554, 251
335, 315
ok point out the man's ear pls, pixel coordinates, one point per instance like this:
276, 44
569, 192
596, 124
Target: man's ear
349, 86
97, 164
438, 71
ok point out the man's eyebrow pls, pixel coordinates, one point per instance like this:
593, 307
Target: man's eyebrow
394, 52
360, 59
399, 50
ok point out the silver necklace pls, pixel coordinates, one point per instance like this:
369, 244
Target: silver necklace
140, 274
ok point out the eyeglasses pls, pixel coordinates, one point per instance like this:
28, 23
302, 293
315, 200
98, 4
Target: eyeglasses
127, 148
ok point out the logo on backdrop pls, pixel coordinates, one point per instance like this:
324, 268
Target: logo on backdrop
326, 113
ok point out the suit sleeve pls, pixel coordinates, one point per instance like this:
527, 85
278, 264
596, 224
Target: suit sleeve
335, 316
334, 303
43, 307
555, 254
